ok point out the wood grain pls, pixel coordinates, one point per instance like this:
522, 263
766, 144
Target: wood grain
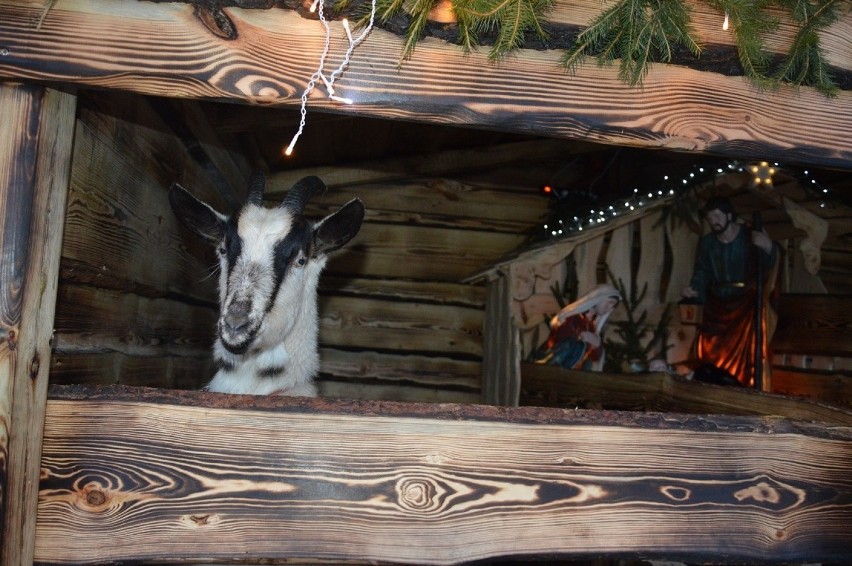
820, 325
419, 252
119, 221
552, 386
407, 327
443, 163
439, 202
35, 157
172, 54
409, 483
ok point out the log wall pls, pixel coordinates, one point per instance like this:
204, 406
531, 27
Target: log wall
134, 304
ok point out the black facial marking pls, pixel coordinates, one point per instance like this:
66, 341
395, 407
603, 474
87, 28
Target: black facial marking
233, 244
274, 371
296, 243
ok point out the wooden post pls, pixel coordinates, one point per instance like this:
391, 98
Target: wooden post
501, 374
36, 134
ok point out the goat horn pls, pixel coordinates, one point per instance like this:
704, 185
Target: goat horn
300, 193
257, 183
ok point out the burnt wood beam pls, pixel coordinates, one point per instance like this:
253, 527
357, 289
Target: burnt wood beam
173, 55
193, 477
36, 130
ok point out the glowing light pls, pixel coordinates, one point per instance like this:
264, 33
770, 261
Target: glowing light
319, 75
762, 174
726, 23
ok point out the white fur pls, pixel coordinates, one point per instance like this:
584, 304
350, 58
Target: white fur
287, 337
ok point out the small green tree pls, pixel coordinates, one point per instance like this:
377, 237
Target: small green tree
633, 332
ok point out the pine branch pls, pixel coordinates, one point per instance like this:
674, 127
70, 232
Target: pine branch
805, 61
637, 32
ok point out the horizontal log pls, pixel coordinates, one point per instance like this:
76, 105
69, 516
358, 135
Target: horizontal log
418, 252
113, 368
434, 292
428, 484
417, 370
555, 386
410, 327
677, 108
438, 164
389, 391
814, 324
826, 386
92, 319
441, 202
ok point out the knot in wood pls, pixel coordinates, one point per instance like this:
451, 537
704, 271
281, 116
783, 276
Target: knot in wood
96, 498
418, 494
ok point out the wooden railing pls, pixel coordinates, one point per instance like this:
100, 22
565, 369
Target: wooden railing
145, 476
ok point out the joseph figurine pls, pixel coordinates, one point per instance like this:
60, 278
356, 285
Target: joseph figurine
729, 260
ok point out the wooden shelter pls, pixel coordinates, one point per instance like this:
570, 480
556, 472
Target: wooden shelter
103, 104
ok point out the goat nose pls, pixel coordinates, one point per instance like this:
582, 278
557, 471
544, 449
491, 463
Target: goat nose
237, 317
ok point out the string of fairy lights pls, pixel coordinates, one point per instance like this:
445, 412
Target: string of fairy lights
318, 7
568, 220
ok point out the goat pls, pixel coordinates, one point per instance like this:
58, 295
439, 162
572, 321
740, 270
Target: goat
270, 260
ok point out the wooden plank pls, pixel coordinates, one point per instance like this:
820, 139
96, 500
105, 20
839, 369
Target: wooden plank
586, 259
618, 257
501, 350
232, 167
407, 327
388, 368
553, 386
118, 212
682, 243
35, 156
826, 386
434, 292
441, 163
677, 108
393, 392
420, 253
405, 482
814, 324
436, 202
101, 320
114, 368
651, 259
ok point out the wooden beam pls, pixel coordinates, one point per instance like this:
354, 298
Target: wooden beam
501, 374
430, 165
819, 325
677, 108
36, 134
545, 385
189, 476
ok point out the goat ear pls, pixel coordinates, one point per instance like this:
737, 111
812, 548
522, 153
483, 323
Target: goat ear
196, 215
335, 230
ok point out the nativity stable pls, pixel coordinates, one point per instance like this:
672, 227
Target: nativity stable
501, 179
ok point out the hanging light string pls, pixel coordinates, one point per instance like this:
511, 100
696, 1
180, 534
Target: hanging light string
319, 7
561, 225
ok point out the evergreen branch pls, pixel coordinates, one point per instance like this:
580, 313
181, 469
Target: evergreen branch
639, 33
805, 61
